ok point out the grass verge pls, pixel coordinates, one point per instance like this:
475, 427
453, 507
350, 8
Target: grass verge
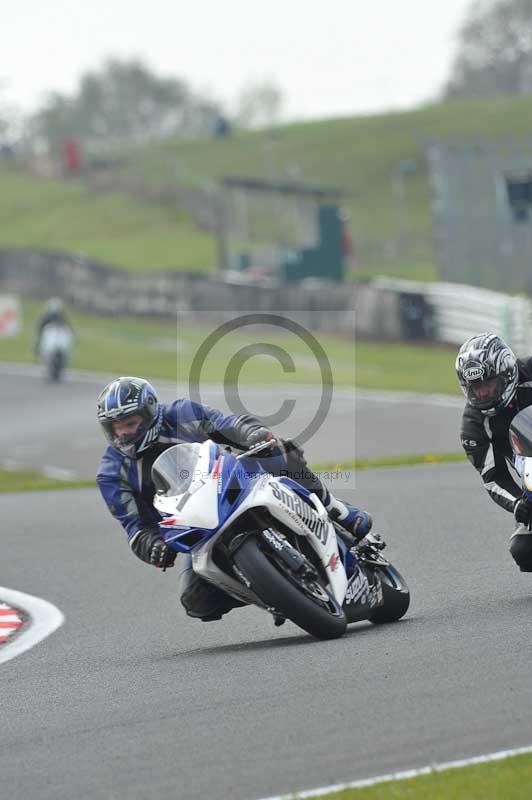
510, 779
30, 480
390, 461
22, 480
165, 349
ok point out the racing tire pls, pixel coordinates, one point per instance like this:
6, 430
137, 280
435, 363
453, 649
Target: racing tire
56, 367
279, 591
395, 594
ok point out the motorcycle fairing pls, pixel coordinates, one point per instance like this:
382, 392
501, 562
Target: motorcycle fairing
523, 466
527, 476
285, 504
209, 512
55, 336
200, 498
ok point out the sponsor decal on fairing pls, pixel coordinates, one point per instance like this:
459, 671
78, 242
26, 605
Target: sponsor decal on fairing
273, 540
303, 512
360, 591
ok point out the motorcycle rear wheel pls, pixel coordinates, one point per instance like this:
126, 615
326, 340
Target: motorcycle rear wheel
322, 617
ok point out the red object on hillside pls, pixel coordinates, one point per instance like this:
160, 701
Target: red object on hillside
71, 160
347, 242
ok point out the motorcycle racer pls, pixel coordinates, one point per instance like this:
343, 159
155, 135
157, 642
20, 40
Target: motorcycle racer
139, 428
53, 314
497, 385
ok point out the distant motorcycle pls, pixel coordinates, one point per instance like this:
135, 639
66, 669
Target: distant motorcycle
268, 542
55, 347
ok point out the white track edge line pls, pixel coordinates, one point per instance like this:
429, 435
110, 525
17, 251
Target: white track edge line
44, 619
404, 775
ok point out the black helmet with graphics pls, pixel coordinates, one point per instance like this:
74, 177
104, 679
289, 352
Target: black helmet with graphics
488, 373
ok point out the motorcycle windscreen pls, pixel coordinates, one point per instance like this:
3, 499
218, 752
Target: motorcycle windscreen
521, 433
176, 469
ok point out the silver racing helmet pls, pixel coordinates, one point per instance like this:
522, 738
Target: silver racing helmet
487, 372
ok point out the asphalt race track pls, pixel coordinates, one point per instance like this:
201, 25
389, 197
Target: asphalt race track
55, 425
132, 699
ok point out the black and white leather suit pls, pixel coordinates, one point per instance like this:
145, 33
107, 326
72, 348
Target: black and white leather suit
486, 442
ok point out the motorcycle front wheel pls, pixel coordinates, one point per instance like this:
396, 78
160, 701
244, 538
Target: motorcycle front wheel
300, 599
396, 596
55, 367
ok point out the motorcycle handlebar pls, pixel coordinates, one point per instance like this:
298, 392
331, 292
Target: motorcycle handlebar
257, 449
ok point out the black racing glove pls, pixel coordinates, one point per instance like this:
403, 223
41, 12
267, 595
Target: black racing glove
161, 555
259, 436
150, 547
523, 510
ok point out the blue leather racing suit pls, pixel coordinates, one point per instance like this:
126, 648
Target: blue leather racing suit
128, 490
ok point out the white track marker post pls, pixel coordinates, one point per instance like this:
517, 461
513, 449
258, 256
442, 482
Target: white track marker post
43, 619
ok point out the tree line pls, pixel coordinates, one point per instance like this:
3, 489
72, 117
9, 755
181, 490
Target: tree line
126, 102
494, 51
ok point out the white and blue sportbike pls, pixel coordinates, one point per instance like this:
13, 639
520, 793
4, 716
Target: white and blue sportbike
521, 444
268, 542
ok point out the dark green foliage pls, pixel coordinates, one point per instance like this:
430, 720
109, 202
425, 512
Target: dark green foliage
124, 102
494, 50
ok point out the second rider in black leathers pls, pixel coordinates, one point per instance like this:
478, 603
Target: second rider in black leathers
497, 386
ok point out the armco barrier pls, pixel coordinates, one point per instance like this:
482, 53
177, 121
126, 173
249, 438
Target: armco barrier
388, 309
100, 289
460, 311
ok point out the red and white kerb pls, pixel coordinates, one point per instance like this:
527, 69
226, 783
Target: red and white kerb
10, 622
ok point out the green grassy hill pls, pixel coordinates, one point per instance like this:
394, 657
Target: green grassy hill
359, 154
109, 227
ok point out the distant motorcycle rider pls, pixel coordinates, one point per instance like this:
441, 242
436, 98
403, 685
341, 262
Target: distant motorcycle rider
497, 385
53, 314
139, 428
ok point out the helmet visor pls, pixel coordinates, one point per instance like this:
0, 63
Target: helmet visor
128, 430
486, 394
125, 432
